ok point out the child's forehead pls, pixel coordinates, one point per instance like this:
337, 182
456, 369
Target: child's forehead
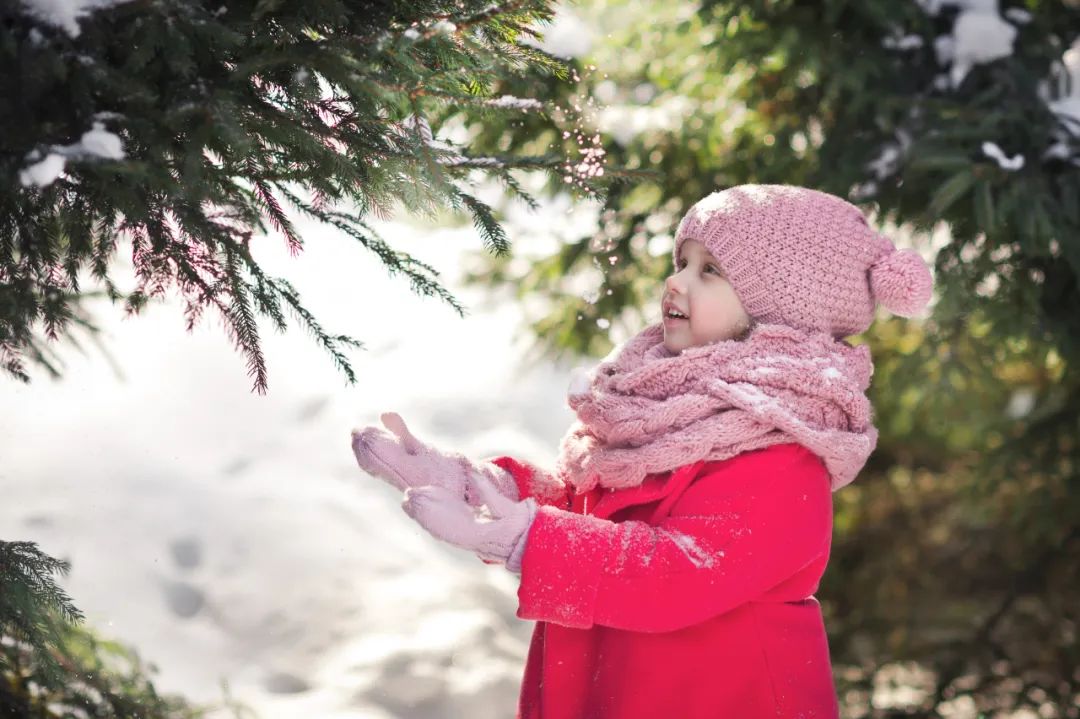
692, 246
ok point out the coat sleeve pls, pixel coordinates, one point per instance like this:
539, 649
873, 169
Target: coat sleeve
717, 550
532, 481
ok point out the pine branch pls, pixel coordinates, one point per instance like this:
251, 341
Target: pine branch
214, 116
28, 593
329, 343
355, 227
516, 190
242, 327
281, 221
486, 224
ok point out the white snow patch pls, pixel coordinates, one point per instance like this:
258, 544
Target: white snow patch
891, 155
1059, 150
97, 142
1064, 101
518, 103
979, 37
660, 244
902, 42
44, 172
625, 122
1018, 15
886, 161
689, 547
267, 557
751, 395
933, 7
1068, 110
991, 149
65, 14
943, 50
567, 36
1021, 402
863, 190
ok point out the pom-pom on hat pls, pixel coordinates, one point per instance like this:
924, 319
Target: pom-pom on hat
805, 258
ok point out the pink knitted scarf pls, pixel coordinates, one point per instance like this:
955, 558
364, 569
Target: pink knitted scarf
648, 410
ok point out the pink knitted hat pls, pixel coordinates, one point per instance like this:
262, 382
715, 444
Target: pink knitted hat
805, 258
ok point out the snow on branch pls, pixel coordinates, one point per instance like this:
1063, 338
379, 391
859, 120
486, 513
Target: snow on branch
991, 149
517, 103
65, 14
94, 143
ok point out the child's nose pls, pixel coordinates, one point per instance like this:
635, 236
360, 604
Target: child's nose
673, 283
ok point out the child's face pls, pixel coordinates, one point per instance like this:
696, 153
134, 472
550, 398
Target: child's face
699, 289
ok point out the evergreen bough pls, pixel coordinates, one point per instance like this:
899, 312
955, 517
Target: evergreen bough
222, 121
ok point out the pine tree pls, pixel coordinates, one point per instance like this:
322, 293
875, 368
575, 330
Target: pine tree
53, 666
190, 128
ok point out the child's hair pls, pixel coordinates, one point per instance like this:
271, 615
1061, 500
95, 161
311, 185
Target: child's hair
805, 258
746, 330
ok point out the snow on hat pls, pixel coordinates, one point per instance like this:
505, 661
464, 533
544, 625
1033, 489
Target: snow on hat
805, 258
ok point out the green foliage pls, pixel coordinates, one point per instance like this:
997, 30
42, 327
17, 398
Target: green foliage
806, 93
232, 120
51, 666
101, 678
229, 116
956, 550
25, 574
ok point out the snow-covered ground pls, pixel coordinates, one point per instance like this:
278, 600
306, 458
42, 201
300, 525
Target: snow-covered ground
230, 535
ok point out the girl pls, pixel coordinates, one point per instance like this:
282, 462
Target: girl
671, 558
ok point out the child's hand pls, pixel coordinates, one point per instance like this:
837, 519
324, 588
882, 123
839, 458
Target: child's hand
447, 517
400, 459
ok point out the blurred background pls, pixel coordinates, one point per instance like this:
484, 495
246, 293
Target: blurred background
231, 233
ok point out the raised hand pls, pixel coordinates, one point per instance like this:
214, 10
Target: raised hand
399, 458
447, 517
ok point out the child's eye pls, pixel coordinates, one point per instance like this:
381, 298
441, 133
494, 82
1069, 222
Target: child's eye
681, 264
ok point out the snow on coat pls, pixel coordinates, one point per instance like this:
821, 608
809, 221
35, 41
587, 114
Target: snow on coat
689, 596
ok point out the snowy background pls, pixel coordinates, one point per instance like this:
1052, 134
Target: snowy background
229, 535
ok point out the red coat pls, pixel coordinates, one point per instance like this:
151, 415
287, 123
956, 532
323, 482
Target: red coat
688, 597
